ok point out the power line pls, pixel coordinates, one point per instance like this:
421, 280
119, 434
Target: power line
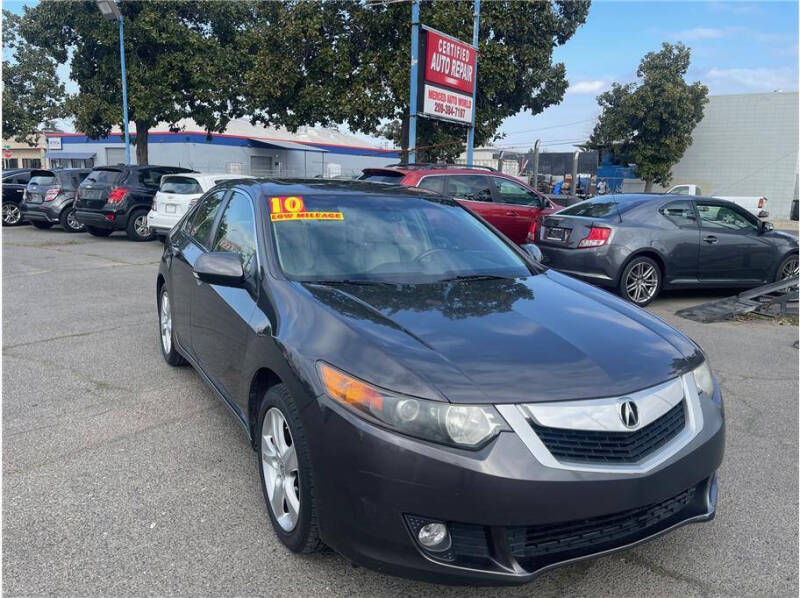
577, 122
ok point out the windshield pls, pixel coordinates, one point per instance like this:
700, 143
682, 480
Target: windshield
385, 239
103, 176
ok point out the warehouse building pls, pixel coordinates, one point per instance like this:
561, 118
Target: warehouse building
242, 149
746, 144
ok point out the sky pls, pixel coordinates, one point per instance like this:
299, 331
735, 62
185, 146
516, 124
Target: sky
737, 47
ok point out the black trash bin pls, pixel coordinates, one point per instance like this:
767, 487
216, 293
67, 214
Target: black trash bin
793, 215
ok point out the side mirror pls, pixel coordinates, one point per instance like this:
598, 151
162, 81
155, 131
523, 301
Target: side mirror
219, 267
533, 251
765, 227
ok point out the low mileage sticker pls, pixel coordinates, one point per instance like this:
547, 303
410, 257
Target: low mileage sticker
291, 207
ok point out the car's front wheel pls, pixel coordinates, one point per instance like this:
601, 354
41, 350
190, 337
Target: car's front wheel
167, 336
640, 282
284, 465
12, 215
788, 268
69, 222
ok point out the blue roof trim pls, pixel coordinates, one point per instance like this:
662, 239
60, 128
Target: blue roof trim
201, 138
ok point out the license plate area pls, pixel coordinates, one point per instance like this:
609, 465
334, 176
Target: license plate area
91, 194
556, 233
170, 208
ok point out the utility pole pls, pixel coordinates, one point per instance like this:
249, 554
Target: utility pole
412, 101
535, 177
471, 133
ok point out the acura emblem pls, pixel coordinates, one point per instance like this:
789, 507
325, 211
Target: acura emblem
629, 414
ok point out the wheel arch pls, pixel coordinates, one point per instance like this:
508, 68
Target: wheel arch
650, 252
263, 379
791, 252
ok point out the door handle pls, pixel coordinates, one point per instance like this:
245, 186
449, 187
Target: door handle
509, 213
710, 239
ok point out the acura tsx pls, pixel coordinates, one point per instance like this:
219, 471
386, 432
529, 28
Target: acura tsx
422, 395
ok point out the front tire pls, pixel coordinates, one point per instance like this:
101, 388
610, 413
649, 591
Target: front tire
166, 334
98, 232
69, 222
137, 229
641, 281
287, 478
42, 225
12, 215
787, 268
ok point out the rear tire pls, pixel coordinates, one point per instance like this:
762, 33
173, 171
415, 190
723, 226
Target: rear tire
41, 225
137, 229
166, 334
284, 465
98, 232
641, 281
12, 215
69, 222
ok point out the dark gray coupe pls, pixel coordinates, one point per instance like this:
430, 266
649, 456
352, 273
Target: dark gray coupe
641, 244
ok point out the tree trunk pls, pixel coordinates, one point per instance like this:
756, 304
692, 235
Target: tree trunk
142, 131
648, 186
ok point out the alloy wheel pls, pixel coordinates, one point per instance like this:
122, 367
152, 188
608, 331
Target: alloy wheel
281, 469
641, 282
165, 320
73, 222
11, 214
790, 268
140, 226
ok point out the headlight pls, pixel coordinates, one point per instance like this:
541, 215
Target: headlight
703, 380
466, 426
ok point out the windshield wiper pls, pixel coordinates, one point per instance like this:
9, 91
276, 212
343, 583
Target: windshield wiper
353, 281
476, 277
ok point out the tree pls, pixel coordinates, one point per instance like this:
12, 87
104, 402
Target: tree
182, 61
651, 122
348, 62
33, 96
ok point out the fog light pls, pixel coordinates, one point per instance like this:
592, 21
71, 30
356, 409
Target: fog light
434, 537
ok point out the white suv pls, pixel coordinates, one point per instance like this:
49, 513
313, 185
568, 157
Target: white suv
177, 193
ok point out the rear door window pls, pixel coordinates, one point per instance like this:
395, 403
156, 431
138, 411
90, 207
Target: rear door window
433, 183
680, 213
469, 186
180, 185
201, 220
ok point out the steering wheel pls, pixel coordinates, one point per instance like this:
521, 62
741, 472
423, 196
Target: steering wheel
428, 253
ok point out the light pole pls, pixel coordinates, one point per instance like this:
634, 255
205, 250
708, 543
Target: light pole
110, 12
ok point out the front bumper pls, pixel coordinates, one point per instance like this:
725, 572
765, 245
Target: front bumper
162, 223
495, 500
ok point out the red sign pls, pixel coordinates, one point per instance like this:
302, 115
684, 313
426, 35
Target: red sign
449, 62
6, 153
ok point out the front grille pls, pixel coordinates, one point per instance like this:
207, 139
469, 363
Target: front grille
588, 534
612, 447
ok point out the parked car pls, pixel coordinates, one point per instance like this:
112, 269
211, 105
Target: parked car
119, 198
504, 201
14, 183
421, 395
49, 198
641, 244
176, 193
755, 204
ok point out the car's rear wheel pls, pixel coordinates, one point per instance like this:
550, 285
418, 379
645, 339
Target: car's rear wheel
12, 215
167, 336
788, 268
98, 232
640, 282
69, 222
137, 227
42, 225
284, 465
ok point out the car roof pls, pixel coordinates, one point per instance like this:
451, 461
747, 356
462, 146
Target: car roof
208, 175
312, 187
425, 169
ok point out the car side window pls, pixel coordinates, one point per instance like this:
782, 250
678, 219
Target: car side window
514, 193
680, 190
724, 218
469, 186
433, 183
236, 231
680, 213
202, 219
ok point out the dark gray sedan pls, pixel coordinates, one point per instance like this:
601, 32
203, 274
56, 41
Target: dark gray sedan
641, 244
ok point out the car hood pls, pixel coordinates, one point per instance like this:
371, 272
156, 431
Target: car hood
543, 338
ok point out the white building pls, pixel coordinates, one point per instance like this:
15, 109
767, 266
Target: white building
242, 149
746, 144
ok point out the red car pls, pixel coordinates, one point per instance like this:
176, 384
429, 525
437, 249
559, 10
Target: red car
511, 206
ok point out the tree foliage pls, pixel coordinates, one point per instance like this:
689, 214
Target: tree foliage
182, 60
651, 121
33, 96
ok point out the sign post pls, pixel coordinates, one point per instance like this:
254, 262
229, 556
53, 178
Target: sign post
412, 103
471, 132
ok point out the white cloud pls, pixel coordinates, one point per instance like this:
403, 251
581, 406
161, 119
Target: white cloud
595, 86
701, 33
742, 80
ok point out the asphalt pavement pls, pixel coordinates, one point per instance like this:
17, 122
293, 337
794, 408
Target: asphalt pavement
124, 476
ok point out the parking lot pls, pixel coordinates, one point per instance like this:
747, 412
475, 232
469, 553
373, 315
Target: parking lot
122, 475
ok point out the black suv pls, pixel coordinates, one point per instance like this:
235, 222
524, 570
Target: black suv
14, 183
119, 197
50, 197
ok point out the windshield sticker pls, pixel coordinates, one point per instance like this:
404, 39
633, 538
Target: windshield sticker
291, 207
